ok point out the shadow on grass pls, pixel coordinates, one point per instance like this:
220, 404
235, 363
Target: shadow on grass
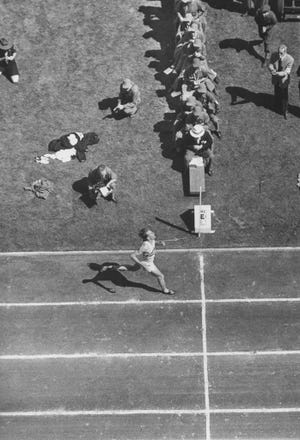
108, 271
161, 22
186, 219
239, 44
240, 95
165, 130
81, 186
110, 104
229, 5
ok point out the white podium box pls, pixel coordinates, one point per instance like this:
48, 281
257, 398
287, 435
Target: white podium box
202, 219
196, 175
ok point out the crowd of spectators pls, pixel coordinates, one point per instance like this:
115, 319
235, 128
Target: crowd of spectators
194, 84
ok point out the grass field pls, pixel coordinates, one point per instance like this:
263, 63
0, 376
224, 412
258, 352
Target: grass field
72, 57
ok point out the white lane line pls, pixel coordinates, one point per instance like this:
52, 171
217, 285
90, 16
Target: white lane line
172, 250
147, 302
255, 410
252, 300
101, 303
96, 356
254, 353
192, 354
133, 412
204, 347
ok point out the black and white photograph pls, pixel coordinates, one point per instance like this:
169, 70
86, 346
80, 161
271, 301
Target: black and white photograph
150, 220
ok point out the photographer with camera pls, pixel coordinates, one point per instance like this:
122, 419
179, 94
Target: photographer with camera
102, 183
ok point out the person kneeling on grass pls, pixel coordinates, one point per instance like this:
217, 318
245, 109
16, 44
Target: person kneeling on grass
102, 183
144, 257
129, 99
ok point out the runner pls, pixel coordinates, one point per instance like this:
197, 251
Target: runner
144, 257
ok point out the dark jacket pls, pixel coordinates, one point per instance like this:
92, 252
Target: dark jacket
81, 146
206, 141
268, 19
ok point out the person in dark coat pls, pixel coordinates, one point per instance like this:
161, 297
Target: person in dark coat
198, 142
8, 65
266, 20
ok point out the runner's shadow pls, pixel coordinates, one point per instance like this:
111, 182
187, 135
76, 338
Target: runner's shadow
239, 44
108, 271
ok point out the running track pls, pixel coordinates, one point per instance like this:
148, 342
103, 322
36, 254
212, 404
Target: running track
220, 360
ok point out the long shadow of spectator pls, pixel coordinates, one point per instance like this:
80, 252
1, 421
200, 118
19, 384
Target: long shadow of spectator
108, 271
165, 130
240, 95
229, 5
161, 22
239, 44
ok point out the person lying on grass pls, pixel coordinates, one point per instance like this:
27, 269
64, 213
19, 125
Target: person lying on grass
75, 140
144, 257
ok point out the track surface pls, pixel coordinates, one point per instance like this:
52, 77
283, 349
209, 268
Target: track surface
220, 360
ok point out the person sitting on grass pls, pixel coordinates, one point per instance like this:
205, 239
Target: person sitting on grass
128, 100
8, 66
144, 257
102, 183
186, 108
212, 107
198, 142
197, 76
193, 8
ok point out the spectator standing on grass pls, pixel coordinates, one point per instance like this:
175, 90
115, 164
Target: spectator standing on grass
102, 182
144, 257
129, 98
280, 68
266, 20
8, 64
